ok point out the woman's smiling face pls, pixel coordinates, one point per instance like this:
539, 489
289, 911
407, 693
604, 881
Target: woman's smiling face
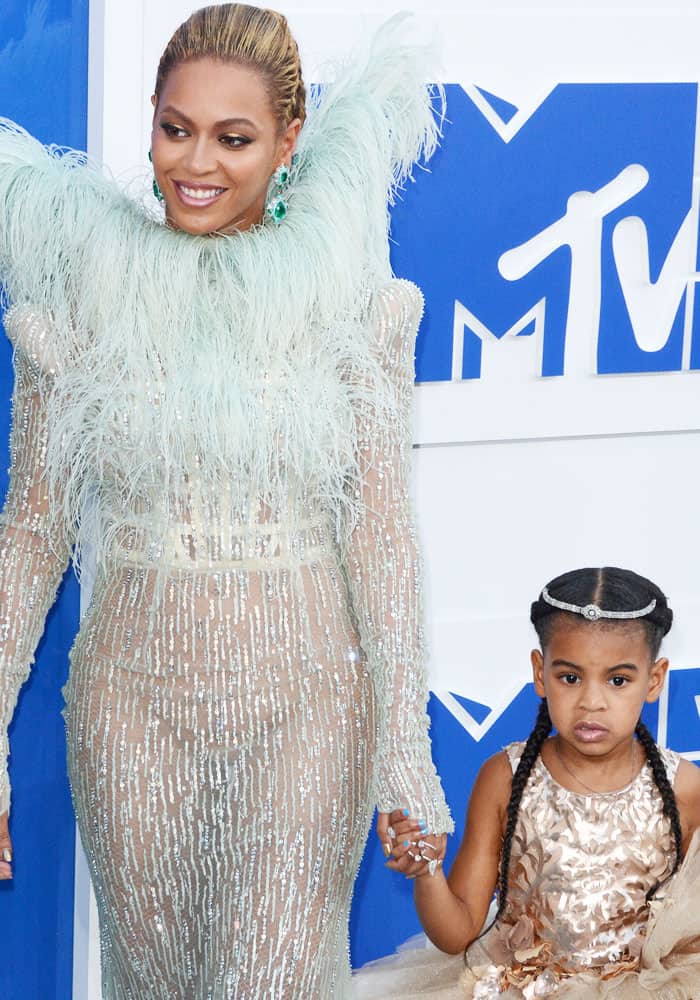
215, 145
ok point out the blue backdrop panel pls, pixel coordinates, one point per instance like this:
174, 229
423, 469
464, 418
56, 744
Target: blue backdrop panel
684, 711
579, 139
481, 198
43, 86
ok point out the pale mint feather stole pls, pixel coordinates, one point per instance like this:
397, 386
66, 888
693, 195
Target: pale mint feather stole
253, 335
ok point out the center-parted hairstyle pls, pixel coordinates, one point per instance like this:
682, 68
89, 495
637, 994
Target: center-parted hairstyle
612, 590
249, 36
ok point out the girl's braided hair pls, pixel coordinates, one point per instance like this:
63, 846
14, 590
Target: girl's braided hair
614, 590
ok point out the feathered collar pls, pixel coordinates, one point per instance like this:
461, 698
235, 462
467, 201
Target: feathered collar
256, 345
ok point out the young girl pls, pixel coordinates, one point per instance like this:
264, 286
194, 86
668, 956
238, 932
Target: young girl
585, 831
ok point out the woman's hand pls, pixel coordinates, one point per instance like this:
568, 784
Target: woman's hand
5, 849
408, 845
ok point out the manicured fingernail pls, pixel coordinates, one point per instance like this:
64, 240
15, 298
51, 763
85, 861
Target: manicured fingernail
387, 849
7, 855
406, 812
406, 843
424, 829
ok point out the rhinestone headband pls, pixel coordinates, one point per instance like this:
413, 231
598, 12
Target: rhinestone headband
592, 613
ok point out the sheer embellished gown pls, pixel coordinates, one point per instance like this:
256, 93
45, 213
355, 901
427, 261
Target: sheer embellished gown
221, 716
225, 423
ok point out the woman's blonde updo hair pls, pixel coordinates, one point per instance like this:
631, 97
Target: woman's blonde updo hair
250, 36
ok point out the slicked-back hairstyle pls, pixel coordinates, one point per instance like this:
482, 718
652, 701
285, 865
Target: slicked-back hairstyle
248, 36
613, 590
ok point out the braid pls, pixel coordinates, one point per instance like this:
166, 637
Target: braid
668, 798
531, 751
616, 590
297, 103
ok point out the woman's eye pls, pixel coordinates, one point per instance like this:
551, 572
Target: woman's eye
619, 681
569, 678
234, 141
174, 131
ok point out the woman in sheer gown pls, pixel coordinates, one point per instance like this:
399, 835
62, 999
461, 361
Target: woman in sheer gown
219, 407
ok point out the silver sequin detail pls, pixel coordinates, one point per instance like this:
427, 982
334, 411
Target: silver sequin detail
233, 691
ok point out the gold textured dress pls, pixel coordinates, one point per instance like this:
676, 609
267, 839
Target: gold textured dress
577, 925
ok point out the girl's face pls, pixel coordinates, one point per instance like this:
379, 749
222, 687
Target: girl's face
596, 678
215, 145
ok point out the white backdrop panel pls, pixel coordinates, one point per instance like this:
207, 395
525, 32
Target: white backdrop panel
518, 475
498, 520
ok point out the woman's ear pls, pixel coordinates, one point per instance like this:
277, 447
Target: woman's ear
289, 139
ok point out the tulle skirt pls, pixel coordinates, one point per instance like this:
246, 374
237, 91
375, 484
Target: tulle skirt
669, 967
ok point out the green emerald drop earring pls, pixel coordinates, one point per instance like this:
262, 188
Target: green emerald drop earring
156, 190
276, 207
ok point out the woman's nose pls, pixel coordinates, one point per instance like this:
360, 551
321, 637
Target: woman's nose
199, 157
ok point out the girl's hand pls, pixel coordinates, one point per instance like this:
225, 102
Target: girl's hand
5, 849
408, 845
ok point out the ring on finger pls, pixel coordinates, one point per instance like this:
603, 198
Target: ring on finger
424, 843
390, 832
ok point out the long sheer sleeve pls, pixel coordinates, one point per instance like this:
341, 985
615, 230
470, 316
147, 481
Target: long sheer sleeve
34, 549
384, 569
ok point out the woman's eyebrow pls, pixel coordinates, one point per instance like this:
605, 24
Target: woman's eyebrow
171, 109
224, 123
234, 121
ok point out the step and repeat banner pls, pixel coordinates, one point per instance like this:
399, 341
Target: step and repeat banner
557, 419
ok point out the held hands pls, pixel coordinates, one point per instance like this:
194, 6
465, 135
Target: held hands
409, 847
5, 850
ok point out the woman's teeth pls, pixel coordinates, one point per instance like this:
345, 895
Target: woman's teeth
201, 194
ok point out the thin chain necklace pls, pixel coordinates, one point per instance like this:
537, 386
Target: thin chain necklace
596, 791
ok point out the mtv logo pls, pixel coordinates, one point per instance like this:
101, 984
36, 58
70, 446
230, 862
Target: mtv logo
566, 245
